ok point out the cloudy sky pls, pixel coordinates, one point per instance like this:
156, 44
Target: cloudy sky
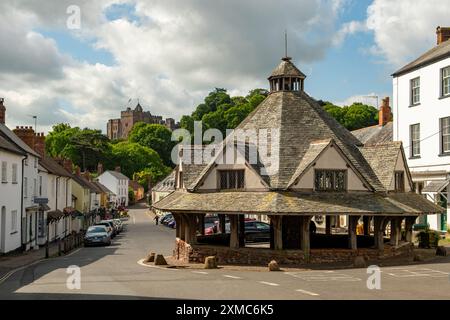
170, 54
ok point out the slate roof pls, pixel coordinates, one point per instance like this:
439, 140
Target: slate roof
287, 68
54, 168
118, 175
8, 146
375, 134
84, 183
13, 138
300, 120
167, 184
288, 203
437, 53
383, 158
436, 186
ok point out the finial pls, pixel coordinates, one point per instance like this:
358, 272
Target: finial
286, 58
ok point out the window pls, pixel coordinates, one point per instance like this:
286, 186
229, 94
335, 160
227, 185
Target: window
399, 181
415, 91
14, 221
4, 172
25, 187
445, 134
14, 173
414, 140
330, 180
232, 179
446, 81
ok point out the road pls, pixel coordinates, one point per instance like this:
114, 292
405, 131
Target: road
114, 273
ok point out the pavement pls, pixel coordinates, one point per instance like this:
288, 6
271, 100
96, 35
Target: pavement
115, 272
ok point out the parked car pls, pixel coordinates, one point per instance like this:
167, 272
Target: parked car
119, 224
172, 224
110, 225
255, 231
97, 235
166, 218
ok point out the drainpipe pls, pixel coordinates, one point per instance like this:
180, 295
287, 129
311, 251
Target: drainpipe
21, 206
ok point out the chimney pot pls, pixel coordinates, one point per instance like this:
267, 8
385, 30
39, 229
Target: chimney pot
385, 114
443, 34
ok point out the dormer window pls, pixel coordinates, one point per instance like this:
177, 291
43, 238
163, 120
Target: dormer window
330, 180
231, 179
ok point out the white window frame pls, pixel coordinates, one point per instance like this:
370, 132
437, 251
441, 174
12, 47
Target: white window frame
415, 91
445, 135
445, 81
414, 139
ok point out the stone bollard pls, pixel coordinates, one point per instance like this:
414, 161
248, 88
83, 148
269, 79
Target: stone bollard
441, 251
150, 257
273, 266
211, 262
160, 260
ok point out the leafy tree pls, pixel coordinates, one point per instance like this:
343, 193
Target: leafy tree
353, 117
134, 158
156, 137
155, 174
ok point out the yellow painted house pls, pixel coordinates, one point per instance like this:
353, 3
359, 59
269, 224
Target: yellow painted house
82, 194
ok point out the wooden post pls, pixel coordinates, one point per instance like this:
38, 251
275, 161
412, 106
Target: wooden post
328, 225
241, 230
201, 224
395, 231
234, 229
193, 224
352, 239
222, 223
277, 224
177, 218
378, 222
366, 225
305, 240
409, 222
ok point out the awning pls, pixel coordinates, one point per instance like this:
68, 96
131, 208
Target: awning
54, 215
436, 186
295, 203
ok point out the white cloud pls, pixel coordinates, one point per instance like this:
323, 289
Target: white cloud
404, 29
170, 59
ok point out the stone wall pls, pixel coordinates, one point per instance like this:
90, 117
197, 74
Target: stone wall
261, 256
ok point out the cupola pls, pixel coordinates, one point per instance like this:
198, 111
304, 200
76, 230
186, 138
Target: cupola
286, 77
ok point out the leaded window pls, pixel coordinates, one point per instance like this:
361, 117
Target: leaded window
330, 180
232, 179
399, 181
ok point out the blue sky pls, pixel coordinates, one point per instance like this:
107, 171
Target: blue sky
171, 53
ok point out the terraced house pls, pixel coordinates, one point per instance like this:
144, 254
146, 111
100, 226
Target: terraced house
321, 171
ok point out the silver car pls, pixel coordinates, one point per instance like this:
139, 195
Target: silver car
97, 235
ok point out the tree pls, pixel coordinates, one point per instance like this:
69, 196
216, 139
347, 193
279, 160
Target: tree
353, 117
156, 137
134, 158
86, 148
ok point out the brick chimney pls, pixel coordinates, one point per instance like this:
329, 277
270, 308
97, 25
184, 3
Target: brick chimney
39, 143
443, 34
2, 111
385, 113
87, 175
68, 165
117, 169
26, 134
100, 168
78, 171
